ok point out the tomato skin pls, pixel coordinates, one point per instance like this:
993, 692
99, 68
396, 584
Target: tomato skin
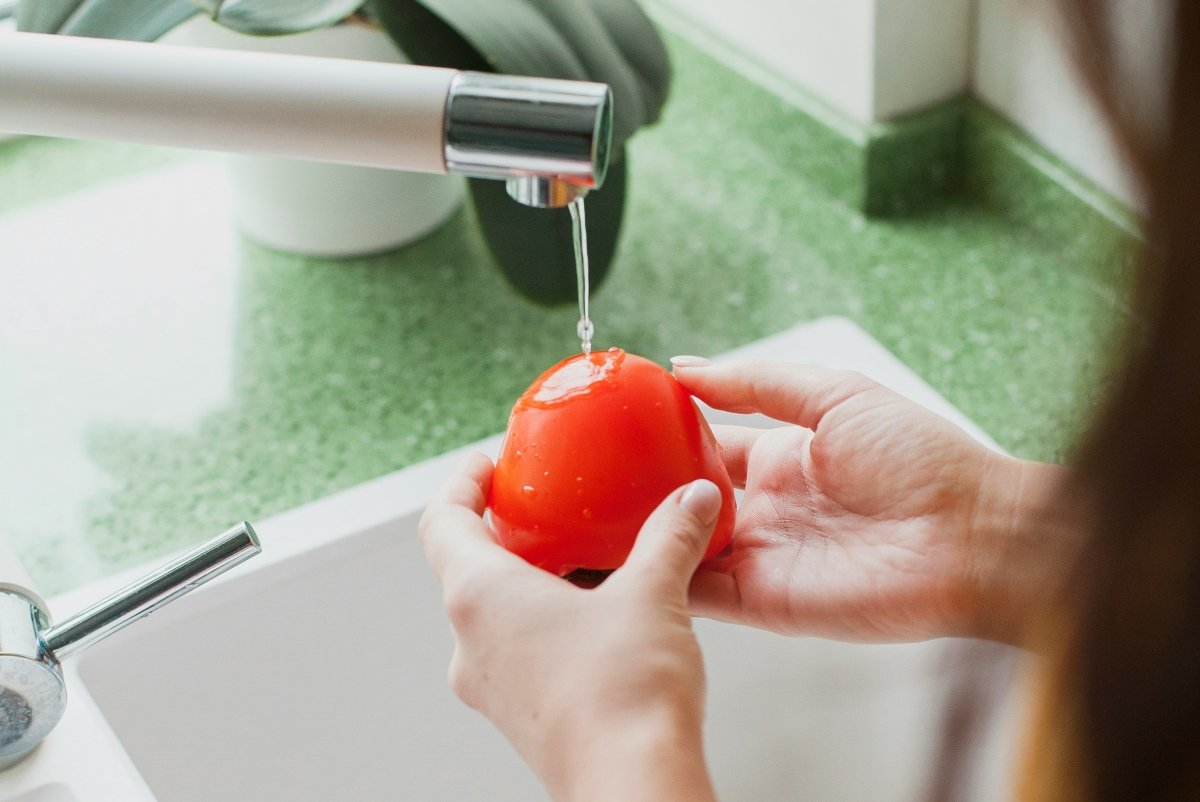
593, 446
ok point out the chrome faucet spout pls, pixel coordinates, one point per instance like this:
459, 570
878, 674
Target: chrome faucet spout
548, 139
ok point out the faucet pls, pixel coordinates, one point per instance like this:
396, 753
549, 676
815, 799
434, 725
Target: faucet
33, 694
548, 139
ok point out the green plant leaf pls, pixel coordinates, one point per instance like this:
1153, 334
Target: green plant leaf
578, 23
533, 247
638, 40
44, 16
273, 17
509, 36
106, 19
424, 37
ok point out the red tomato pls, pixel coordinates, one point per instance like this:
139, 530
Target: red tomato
593, 446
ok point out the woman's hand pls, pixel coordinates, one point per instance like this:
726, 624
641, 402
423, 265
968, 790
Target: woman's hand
871, 518
601, 691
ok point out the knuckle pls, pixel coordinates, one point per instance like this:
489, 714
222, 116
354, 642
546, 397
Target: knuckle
464, 596
428, 522
459, 678
853, 382
763, 375
461, 611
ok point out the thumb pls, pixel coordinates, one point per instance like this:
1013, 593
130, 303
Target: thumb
673, 539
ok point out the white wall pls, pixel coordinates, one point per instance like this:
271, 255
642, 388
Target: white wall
825, 46
1022, 70
921, 55
869, 59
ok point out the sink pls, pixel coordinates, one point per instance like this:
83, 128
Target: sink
318, 670
55, 792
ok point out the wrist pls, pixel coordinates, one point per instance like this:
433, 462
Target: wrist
1021, 538
655, 754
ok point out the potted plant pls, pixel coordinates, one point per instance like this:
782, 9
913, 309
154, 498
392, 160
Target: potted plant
600, 40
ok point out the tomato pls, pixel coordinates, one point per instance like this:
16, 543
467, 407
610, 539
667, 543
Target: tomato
593, 446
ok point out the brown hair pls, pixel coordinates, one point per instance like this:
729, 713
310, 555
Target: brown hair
1118, 710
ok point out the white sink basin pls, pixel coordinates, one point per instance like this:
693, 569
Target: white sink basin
47, 793
318, 670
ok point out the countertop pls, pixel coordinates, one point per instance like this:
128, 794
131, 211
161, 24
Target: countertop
164, 377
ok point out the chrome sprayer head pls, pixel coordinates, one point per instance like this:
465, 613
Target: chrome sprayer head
33, 693
548, 139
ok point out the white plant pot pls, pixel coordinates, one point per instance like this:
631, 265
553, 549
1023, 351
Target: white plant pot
321, 209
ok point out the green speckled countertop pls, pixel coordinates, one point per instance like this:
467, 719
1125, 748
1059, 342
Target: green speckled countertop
148, 403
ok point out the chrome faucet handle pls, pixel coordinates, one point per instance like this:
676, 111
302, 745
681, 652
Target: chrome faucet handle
33, 695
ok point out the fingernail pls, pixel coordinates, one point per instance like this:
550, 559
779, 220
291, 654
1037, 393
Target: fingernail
702, 498
686, 361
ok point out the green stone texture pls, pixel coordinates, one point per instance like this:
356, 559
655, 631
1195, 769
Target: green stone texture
741, 223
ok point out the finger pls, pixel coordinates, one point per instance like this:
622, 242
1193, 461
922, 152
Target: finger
468, 484
451, 528
735, 443
673, 539
799, 394
714, 594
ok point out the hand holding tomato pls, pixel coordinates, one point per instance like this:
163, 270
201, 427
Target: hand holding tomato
593, 446
601, 691
871, 518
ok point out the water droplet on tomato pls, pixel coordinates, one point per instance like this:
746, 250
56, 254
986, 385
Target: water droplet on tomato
575, 377
545, 473
587, 513
530, 491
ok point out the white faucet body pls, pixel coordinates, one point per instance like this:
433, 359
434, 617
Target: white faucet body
548, 134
